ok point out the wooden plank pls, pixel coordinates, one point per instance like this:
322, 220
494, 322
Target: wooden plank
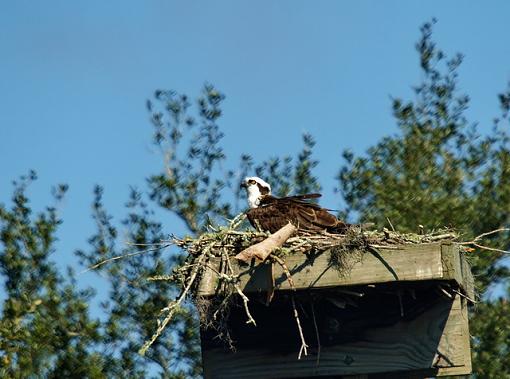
468, 278
398, 263
437, 341
456, 332
457, 268
451, 262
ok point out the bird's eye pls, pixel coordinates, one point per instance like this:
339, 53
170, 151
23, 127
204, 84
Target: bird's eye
251, 181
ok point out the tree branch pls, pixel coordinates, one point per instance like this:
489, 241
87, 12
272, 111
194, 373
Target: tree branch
262, 249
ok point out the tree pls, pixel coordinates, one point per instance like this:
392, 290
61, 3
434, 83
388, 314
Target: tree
438, 171
197, 189
45, 328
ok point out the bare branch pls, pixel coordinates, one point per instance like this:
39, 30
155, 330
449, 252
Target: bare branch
490, 248
304, 346
316, 335
281, 262
475, 243
262, 249
251, 320
478, 238
99, 264
174, 305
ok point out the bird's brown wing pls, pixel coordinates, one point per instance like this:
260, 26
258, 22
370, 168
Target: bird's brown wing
303, 197
271, 216
312, 217
274, 213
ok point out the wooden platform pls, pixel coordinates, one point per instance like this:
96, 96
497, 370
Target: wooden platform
432, 261
389, 316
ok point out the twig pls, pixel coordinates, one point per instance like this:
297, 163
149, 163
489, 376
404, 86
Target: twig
148, 244
251, 320
317, 336
237, 220
270, 291
350, 292
252, 233
161, 277
174, 305
389, 222
447, 294
281, 262
483, 247
300, 245
124, 256
304, 346
489, 248
399, 294
220, 307
442, 236
478, 238
440, 356
387, 247
464, 296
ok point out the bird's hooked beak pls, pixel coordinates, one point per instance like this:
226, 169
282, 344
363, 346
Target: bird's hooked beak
243, 185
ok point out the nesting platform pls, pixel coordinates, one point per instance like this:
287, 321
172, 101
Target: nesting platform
395, 311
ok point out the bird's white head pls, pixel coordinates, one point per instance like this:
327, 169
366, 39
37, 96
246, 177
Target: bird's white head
256, 189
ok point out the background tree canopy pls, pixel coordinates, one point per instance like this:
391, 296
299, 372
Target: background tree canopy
436, 171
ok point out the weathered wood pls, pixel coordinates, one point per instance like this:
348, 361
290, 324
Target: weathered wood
433, 261
435, 343
456, 338
402, 324
456, 268
264, 248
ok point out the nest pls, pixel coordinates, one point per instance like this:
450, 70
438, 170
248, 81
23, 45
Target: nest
231, 241
226, 242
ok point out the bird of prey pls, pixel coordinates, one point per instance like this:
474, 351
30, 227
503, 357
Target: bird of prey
271, 213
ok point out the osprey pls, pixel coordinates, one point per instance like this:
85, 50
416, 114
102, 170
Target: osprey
271, 213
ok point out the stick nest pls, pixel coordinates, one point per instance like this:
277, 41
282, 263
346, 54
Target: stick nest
226, 242
231, 241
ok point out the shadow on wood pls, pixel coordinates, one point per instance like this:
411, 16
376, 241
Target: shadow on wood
366, 322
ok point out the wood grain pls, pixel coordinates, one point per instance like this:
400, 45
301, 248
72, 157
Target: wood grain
374, 337
433, 261
407, 346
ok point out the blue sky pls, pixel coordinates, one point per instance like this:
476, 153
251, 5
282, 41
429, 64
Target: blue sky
74, 77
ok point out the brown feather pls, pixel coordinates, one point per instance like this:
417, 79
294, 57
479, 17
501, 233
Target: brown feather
273, 213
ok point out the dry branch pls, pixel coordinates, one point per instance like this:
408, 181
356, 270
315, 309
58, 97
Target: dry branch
174, 305
262, 249
251, 320
159, 246
317, 336
304, 346
281, 262
475, 243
